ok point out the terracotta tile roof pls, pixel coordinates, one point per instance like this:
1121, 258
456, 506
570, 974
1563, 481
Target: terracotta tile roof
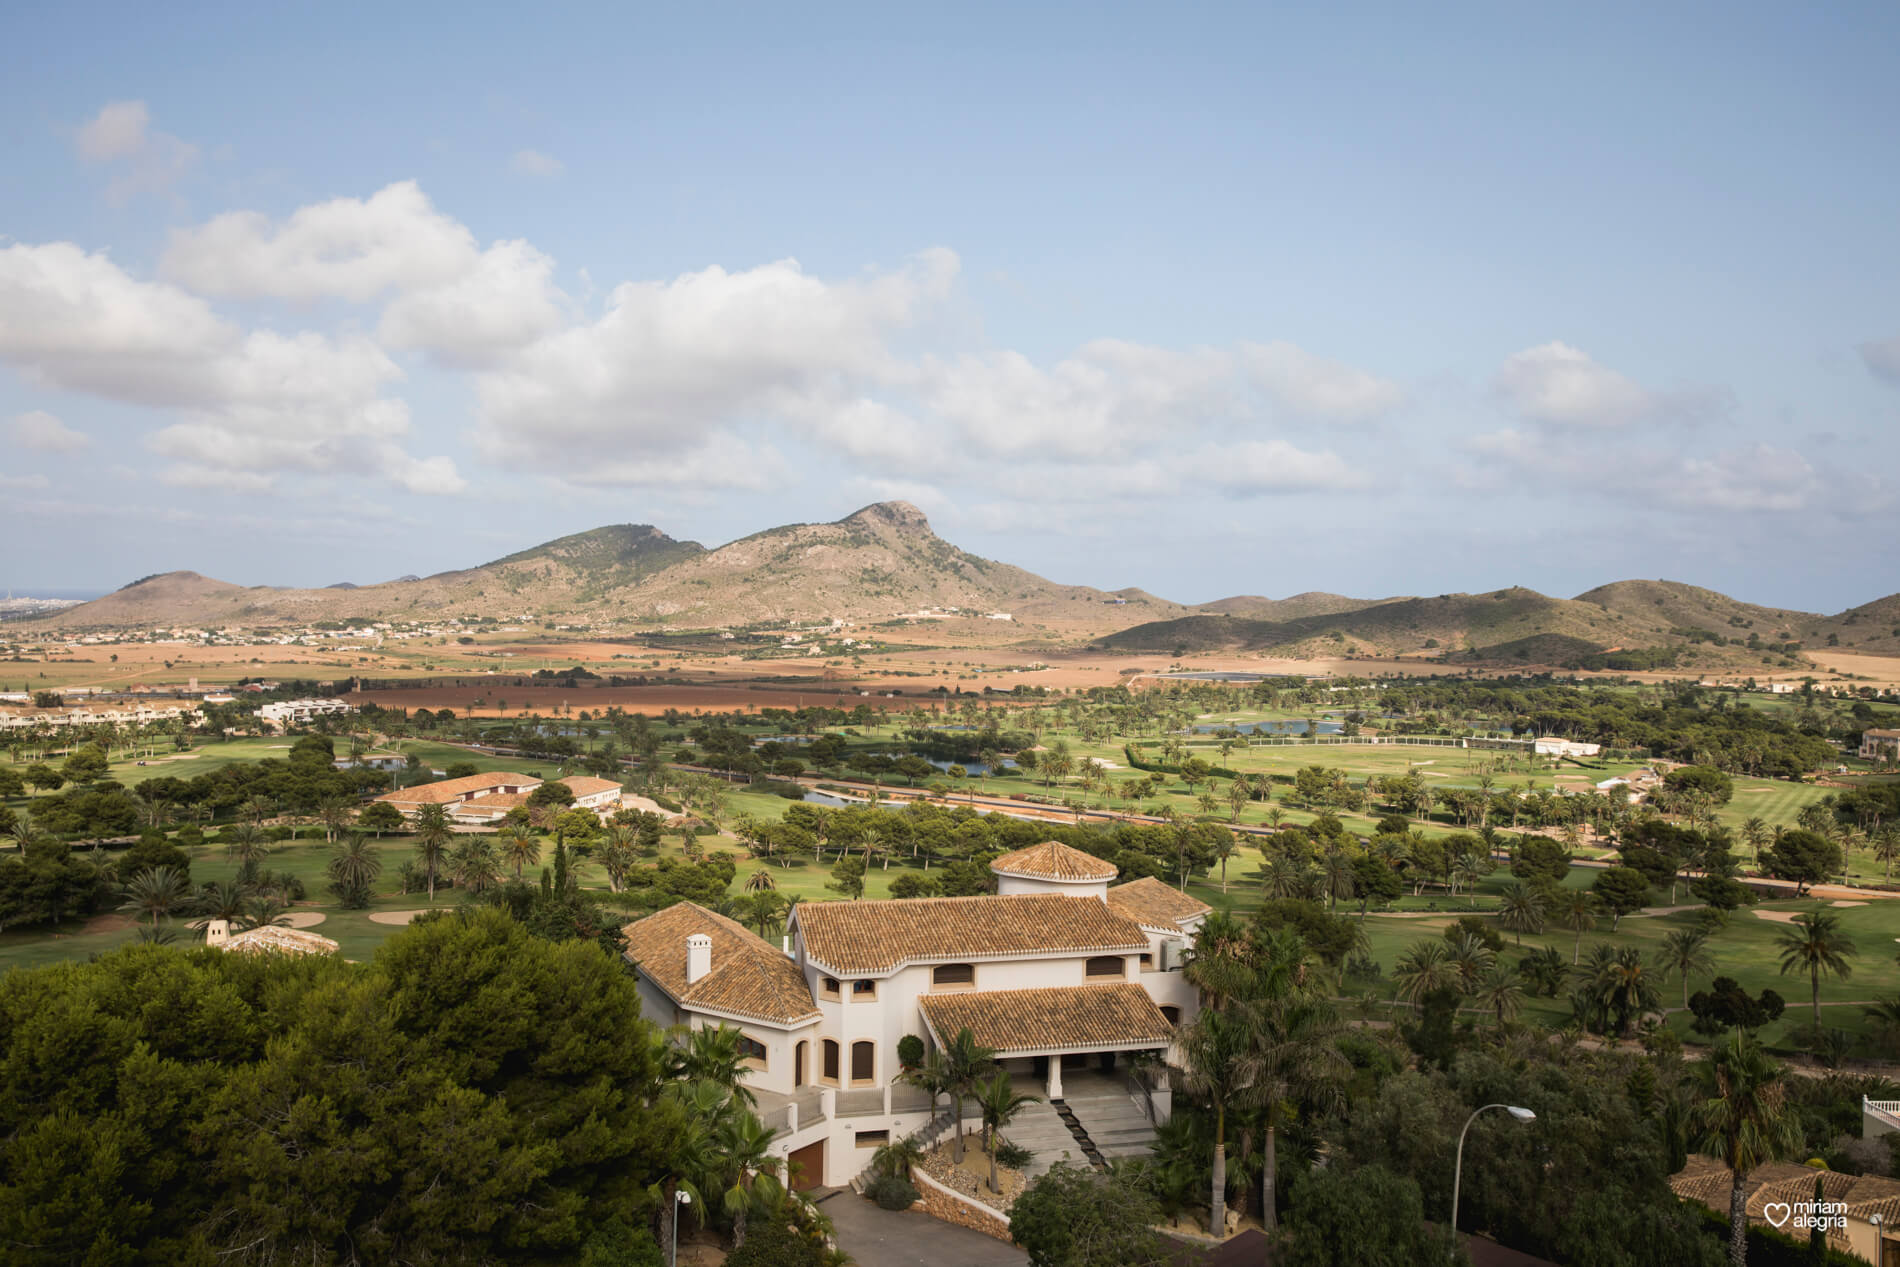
499, 801
1053, 860
1706, 1179
455, 789
588, 785
749, 977
1153, 904
275, 937
856, 938
1051, 1018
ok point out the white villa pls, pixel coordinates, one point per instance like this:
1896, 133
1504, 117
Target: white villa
486, 798
1060, 971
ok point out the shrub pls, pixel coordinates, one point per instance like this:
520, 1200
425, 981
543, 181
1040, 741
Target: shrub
894, 1193
776, 1244
910, 1051
1015, 1156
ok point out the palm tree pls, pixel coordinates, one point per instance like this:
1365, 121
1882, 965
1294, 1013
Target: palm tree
712, 1054
749, 1167
1683, 952
1885, 1014
1522, 911
1295, 1060
1470, 959
433, 834
354, 866
1576, 910
474, 864
964, 1061
225, 901
264, 912
1626, 987
1337, 877
1424, 969
1219, 1051
760, 881
156, 891
1502, 990
519, 846
1221, 962
1817, 944
1744, 1119
247, 846
999, 1102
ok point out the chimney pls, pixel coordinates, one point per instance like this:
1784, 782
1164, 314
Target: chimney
217, 932
698, 957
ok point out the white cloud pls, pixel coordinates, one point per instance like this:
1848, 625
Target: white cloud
1274, 466
505, 300
43, 433
1753, 479
347, 248
1315, 387
535, 163
668, 362
1108, 399
1883, 358
117, 131
253, 402
1558, 384
149, 161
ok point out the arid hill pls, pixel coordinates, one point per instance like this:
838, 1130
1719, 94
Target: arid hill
885, 562
880, 563
1523, 626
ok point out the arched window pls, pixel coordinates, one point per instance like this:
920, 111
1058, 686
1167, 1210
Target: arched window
863, 1061
829, 986
953, 976
1106, 966
1172, 1013
830, 1066
751, 1049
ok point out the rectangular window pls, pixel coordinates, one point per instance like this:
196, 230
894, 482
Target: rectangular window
952, 975
873, 1139
829, 987
1105, 966
831, 1061
864, 990
1147, 963
863, 1061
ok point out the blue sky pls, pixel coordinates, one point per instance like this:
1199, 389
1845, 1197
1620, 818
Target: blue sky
1374, 299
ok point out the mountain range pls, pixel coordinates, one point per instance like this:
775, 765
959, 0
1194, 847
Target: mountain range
884, 562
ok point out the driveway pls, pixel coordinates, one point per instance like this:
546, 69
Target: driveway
876, 1237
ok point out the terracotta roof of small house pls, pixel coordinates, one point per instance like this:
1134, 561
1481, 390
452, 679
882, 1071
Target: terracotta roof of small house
587, 785
1706, 1180
1153, 904
454, 789
749, 977
1053, 860
1051, 1018
856, 938
275, 937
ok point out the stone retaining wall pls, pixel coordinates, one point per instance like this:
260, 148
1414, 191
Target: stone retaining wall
953, 1207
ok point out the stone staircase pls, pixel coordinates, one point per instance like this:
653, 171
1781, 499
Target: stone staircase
1114, 1124
1041, 1129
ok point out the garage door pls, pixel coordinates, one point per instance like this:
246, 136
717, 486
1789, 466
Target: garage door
808, 1167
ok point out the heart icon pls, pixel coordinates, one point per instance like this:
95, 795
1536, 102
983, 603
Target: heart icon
1777, 1212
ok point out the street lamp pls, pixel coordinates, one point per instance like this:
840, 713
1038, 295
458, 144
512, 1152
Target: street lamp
1457, 1174
680, 1197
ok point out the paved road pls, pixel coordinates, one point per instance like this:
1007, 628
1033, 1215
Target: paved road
877, 1237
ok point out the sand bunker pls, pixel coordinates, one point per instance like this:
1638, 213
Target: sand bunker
1847, 903
1780, 917
394, 917
304, 919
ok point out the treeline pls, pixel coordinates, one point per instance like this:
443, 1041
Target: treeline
476, 1094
